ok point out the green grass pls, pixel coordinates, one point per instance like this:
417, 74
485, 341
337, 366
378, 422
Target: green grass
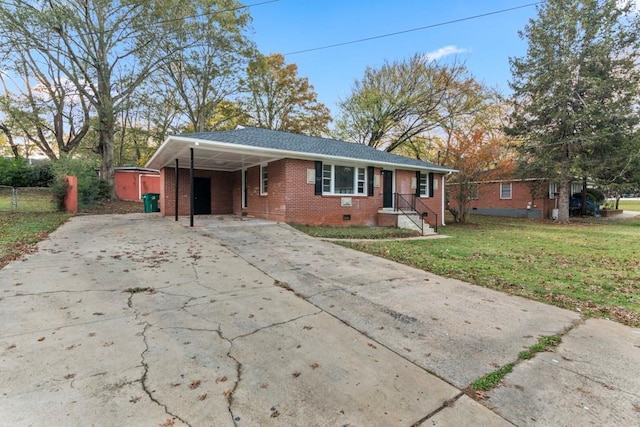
492, 379
21, 230
545, 343
28, 200
591, 267
355, 232
629, 205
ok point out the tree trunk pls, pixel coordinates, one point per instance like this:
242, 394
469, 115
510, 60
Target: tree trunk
105, 147
14, 148
563, 200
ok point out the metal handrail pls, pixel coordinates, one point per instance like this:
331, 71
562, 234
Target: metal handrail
413, 203
424, 210
403, 205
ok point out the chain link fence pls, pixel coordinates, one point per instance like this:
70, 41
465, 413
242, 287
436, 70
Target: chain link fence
26, 199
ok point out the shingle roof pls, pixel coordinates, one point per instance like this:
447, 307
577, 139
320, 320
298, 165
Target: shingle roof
297, 143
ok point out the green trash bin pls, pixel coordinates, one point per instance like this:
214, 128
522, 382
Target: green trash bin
150, 201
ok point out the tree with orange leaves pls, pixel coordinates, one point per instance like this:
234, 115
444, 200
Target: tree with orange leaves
478, 149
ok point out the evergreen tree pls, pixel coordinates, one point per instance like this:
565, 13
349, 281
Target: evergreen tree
576, 91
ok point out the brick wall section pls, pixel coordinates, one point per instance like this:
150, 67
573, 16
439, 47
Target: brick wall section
435, 203
489, 198
236, 191
304, 207
272, 205
221, 191
404, 180
289, 197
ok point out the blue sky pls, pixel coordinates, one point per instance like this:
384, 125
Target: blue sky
485, 44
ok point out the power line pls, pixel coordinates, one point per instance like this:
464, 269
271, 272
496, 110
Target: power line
439, 24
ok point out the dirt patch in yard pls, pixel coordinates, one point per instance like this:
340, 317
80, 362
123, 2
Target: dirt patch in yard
113, 207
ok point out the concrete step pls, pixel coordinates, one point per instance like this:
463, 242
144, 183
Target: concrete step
409, 222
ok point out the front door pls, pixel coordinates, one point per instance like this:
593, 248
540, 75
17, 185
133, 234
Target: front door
387, 189
202, 195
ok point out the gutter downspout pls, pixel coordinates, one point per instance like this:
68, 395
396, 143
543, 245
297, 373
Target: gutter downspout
443, 195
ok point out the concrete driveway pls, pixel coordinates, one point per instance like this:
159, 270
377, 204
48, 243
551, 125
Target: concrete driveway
138, 320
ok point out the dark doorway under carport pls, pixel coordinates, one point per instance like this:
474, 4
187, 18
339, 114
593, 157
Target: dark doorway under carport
202, 196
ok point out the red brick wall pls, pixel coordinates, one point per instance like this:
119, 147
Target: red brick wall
489, 197
435, 203
221, 191
236, 190
289, 198
304, 207
272, 205
404, 180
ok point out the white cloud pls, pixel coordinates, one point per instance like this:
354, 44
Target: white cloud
443, 51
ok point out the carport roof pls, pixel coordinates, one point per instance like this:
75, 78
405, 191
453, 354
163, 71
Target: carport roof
249, 146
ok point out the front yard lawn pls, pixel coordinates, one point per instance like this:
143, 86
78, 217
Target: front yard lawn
590, 267
22, 230
355, 232
629, 205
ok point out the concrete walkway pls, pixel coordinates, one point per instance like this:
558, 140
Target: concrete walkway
138, 320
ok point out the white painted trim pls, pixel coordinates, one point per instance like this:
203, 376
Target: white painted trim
510, 191
443, 200
262, 192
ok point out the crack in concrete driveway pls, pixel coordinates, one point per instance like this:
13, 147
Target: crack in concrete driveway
136, 320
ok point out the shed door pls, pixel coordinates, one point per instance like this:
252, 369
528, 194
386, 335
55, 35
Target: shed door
202, 195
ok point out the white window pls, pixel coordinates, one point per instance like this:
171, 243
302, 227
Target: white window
338, 179
576, 187
264, 180
553, 190
423, 185
505, 190
474, 192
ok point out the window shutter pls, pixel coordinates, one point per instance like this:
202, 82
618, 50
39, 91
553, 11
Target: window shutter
417, 183
370, 181
430, 184
318, 187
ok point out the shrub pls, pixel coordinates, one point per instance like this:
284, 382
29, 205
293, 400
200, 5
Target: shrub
59, 188
90, 188
597, 194
17, 172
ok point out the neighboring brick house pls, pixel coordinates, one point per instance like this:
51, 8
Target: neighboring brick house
294, 178
131, 183
520, 198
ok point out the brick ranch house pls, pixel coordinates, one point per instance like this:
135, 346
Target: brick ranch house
534, 198
294, 178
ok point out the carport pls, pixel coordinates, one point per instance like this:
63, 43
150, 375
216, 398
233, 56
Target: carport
207, 162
